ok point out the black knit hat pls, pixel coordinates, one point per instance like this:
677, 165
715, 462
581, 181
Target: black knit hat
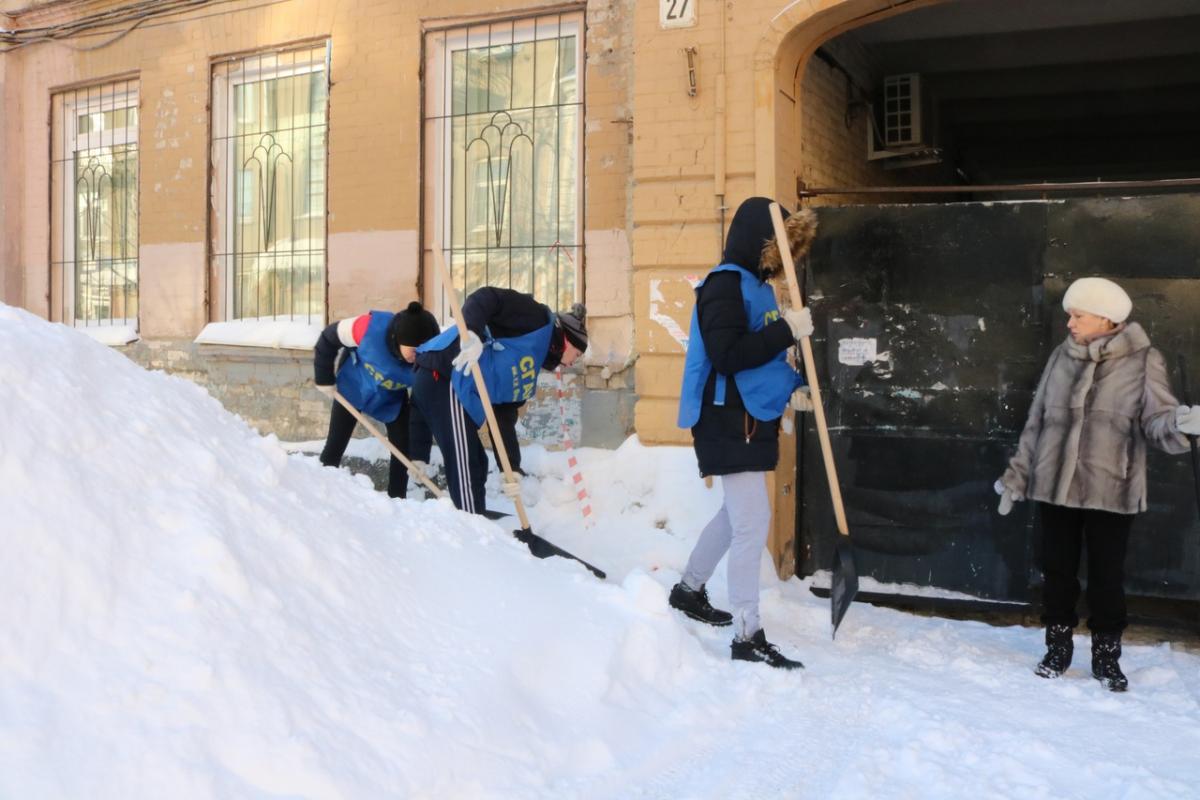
574, 326
412, 327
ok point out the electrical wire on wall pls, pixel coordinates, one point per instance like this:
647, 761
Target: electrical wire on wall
130, 16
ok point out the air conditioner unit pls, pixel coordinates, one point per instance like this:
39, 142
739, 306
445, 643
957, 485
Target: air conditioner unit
899, 121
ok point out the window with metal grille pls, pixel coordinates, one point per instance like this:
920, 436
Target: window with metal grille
270, 125
504, 146
94, 205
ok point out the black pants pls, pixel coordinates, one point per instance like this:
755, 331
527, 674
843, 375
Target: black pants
457, 437
407, 432
1064, 531
506, 418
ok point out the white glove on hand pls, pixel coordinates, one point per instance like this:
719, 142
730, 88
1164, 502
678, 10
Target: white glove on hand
799, 321
1187, 419
511, 489
419, 470
328, 390
802, 400
1007, 498
470, 351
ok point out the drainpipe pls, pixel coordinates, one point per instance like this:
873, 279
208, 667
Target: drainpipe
719, 129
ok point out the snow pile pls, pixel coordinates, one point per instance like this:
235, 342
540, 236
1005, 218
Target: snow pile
191, 612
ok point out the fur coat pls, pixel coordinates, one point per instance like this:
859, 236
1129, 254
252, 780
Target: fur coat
1096, 407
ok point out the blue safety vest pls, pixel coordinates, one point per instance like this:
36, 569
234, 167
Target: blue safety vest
371, 378
510, 367
765, 389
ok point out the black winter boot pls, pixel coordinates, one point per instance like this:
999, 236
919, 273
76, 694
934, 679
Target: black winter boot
695, 604
757, 648
1059, 649
1106, 652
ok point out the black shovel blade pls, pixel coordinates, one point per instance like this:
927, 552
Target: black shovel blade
544, 549
844, 584
495, 515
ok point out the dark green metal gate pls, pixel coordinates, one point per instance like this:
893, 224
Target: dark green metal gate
962, 304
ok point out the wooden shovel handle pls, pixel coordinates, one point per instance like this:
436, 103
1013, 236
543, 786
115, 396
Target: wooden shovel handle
810, 372
395, 451
493, 426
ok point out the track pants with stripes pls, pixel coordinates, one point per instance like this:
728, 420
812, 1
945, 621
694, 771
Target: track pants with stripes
456, 436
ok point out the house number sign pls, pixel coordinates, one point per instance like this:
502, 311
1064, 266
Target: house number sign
676, 13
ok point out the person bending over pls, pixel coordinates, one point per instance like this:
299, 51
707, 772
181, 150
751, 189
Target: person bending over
368, 359
511, 336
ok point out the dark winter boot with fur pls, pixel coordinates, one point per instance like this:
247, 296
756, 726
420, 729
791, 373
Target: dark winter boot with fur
695, 604
757, 648
1059, 649
1106, 653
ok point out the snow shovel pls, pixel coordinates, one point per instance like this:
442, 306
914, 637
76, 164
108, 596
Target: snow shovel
844, 583
1191, 439
537, 545
395, 451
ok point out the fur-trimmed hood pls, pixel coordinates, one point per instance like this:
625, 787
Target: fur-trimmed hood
751, 240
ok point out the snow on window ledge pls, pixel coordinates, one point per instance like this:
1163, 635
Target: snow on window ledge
111, 335
285, 334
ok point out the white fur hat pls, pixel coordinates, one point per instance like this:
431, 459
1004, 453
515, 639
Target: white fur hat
1098, 296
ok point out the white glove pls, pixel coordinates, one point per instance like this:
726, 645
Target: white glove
470, 351
799, 321
418, 470
1187, 419
1007, 498
511, 489
802, 400
329, 390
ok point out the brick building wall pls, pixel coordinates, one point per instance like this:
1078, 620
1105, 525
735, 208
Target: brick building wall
375, 195
664, 169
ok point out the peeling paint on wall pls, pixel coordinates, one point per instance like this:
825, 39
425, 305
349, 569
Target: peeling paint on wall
667, 313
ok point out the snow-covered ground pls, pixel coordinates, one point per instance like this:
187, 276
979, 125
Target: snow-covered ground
188, 611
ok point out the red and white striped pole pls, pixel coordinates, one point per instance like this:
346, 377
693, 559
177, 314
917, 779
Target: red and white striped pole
576, 474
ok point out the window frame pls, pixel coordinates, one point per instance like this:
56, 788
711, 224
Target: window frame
225, 224
112, 95
439, 44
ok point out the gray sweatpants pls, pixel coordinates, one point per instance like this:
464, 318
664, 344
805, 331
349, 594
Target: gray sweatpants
740, 527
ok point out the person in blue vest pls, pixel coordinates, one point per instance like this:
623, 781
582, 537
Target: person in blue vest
511, 336
368, 360
737, 383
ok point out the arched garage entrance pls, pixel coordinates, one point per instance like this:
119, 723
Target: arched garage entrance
936, 315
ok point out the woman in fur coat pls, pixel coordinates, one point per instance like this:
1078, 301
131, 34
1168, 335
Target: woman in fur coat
1082, 457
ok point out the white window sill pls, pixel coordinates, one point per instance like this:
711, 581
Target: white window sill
111, 335
280, 334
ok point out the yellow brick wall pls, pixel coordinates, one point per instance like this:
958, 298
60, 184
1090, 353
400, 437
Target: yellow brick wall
650, 197
783, 122
653, 215
374, 188
773, 88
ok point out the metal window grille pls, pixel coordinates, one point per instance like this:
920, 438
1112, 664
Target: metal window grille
503, 127
269, 145
94, 205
